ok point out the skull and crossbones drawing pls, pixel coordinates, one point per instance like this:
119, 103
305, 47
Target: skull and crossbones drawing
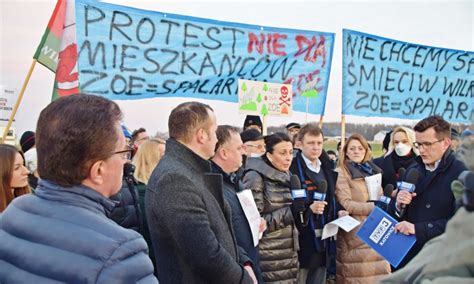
284, 96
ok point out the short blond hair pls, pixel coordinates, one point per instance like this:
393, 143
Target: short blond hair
147, 157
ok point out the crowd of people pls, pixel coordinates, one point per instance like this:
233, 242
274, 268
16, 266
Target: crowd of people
86, 201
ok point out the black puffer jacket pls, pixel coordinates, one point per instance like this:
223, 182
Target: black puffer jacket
127, 213
279, 245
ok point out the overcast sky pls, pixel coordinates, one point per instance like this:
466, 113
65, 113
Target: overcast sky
446, 24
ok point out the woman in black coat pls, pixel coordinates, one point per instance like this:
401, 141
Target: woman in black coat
269, 179
400, 155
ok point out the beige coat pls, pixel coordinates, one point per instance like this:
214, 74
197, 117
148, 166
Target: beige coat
356, 262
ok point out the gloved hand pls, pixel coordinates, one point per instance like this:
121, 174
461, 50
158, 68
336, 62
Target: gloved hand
299, 205
298, 209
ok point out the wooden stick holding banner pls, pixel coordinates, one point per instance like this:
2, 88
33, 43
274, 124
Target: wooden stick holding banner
264, 125
343, 130
312, 93
321, 121
18, 100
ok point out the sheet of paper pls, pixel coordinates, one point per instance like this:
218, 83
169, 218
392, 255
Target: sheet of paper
251, 213
347, 223
374, 183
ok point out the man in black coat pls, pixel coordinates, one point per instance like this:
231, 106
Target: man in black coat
226, 161
313, 166
432, 204
188, 218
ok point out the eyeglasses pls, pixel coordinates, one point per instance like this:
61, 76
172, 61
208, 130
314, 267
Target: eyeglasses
259, 147
126, 154
426, 145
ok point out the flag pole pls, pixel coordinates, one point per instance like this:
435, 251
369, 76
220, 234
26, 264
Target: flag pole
18, 100
321, 121
343, 130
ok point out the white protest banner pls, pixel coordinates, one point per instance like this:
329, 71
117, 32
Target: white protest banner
7, 101
263, 98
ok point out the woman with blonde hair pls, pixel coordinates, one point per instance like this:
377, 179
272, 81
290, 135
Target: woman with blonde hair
13, 175
145, 160
147, 157
356, 262
400, 155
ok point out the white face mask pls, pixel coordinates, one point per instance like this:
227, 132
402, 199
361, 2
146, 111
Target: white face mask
256, 155
402, 149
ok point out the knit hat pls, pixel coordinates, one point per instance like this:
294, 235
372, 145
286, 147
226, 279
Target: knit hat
252, 120
251, 135
27, 141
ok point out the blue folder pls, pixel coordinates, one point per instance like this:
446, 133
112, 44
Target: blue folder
378, 232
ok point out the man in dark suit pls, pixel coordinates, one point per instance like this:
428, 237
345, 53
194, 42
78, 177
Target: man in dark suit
226, 161
313, 166
432, 204
188, 218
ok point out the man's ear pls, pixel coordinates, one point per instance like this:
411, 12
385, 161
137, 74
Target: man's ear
95, 173
201, 136
223, 153
447, 142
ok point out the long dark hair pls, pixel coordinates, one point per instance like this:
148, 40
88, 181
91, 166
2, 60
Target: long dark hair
7, 158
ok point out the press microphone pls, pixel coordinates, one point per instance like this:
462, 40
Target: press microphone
320, 195
409, 185
297, 193
386, 197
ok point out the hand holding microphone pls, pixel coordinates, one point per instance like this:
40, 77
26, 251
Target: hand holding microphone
319, 197
299, 204
406, 191
318, 207
404, 198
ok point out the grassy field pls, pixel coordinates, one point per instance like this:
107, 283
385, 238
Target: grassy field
376, 147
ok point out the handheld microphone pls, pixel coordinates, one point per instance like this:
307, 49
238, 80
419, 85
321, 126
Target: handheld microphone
385, 199
297, 193
320, 195
409, 185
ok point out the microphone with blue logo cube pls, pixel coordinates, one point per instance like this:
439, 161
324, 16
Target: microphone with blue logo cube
320, 194
298, 194
385, 199
408, 185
